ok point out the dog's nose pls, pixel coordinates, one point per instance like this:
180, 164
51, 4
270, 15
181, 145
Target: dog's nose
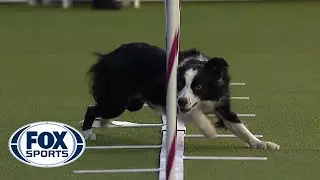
182, 101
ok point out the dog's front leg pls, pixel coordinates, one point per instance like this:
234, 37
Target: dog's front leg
233, 123
201, 120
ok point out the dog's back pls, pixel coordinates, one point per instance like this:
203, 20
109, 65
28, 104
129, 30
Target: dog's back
132, 59
136, 70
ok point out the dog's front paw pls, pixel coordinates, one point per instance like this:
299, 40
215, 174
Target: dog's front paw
211, 135
265, 145
258, 145
88, 135
272, 145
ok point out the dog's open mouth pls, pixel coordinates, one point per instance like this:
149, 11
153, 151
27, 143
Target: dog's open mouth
188, 109
185, 110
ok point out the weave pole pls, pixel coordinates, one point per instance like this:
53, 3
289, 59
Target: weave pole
172, 12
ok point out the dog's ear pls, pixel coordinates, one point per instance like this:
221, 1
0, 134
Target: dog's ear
188, 53
216, 63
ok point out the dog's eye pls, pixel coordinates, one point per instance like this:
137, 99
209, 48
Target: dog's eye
198, 87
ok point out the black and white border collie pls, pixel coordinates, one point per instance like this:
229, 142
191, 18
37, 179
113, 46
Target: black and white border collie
134, 74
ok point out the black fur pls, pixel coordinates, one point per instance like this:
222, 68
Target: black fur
135, 73
210, 84
125, 79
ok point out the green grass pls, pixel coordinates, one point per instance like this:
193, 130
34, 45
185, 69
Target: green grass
274, 47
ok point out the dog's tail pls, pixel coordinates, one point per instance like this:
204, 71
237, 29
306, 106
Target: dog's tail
97, 72
94, 67
95, 53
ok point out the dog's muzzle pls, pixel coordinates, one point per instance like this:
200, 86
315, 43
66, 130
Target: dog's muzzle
182, 103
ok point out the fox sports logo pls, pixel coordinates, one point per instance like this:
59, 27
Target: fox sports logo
46, 144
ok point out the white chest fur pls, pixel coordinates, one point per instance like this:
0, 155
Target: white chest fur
207, 107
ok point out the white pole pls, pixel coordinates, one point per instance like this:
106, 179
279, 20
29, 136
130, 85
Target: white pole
172, 12
136, 3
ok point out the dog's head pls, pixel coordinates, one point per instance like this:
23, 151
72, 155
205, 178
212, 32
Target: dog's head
201, 78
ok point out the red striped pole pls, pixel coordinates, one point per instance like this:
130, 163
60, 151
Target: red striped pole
172, 8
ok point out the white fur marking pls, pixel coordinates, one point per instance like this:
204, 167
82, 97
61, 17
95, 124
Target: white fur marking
204, 124
207, 107
89, 135
243, 133
198, 58
187, 92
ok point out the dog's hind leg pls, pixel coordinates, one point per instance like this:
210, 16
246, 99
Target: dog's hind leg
91, 114
111, 111
135, 105
105, 112
233, 123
